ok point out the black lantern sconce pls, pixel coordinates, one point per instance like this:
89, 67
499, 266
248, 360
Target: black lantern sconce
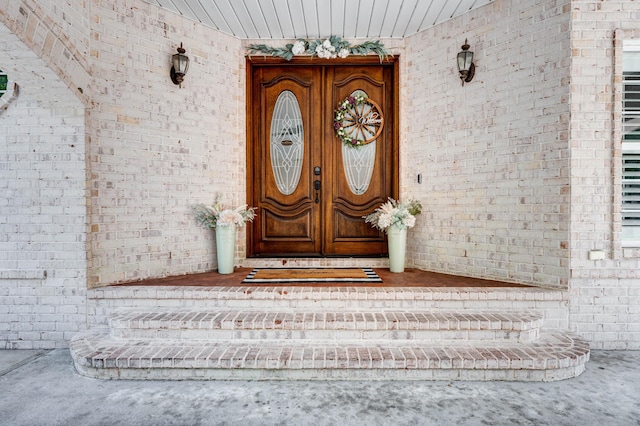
465, 64
179, 66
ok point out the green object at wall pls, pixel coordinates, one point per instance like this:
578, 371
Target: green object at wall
3, 82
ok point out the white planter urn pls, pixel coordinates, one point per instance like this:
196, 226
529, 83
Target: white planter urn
397, 240
226, 248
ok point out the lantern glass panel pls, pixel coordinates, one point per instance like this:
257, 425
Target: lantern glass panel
464, 60
180, 64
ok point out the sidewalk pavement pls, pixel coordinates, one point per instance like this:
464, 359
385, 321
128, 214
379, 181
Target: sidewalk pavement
42, 388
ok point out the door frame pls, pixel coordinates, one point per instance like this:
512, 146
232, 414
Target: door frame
252, 62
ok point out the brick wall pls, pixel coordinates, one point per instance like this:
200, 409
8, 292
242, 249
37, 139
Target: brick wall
605, 302
157, 149
153, 150
493, 153
518, 166
57, 32
42, 204
521, 167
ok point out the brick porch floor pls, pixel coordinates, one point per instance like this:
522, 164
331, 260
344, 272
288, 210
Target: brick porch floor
409, 278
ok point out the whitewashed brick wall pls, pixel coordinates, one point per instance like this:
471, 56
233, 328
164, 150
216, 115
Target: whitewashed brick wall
605, 302
42, 205
57, 32
494, 154
153, 151
157, 149
516, 165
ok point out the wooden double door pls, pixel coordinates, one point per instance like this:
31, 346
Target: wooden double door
312, 191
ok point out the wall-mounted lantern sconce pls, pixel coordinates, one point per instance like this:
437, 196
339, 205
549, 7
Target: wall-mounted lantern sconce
179, 66
465, 64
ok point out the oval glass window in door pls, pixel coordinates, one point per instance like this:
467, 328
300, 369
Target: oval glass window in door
358, 162
287, 142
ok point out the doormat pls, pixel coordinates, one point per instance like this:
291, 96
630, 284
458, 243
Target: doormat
312, 275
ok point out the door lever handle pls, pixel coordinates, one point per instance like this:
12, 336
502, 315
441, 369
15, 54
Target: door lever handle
316, 186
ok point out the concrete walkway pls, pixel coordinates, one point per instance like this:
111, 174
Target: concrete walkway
42, 388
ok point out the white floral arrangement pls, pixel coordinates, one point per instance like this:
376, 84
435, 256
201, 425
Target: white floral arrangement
330, 48
394, 213
217, 215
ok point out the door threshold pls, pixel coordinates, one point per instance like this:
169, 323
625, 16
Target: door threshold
315, 262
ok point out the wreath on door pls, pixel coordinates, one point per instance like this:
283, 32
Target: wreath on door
358, 121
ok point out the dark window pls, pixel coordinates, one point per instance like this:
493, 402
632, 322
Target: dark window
3, 82
631, 148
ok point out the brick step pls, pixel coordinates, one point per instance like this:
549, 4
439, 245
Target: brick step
321, 325
552, 303
554, 356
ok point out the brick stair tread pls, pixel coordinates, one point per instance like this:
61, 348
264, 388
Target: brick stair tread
554, 350
312, 294
311, 298
322, 320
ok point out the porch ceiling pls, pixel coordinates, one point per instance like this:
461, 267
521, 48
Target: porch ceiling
290, 19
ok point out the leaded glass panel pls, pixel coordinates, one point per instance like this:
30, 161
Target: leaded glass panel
287, 142
358, 162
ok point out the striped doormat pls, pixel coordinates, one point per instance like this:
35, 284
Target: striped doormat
312, 275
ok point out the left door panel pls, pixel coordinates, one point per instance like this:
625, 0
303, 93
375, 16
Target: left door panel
285, 152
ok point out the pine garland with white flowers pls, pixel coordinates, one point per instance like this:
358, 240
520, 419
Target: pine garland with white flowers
332, 47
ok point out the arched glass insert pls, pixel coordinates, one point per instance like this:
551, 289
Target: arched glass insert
358, 162
287, 142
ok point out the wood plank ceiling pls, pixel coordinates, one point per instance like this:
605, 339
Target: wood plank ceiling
290, 19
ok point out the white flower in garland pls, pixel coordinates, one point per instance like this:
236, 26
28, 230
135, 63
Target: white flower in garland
326, 50
299, 47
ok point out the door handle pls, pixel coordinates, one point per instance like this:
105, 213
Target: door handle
316, 186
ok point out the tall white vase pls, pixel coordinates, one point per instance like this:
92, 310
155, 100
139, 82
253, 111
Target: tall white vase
397, 240
226, 247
